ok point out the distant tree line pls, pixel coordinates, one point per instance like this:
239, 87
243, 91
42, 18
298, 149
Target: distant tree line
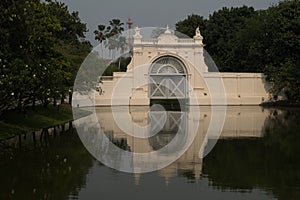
42, 48
246, 40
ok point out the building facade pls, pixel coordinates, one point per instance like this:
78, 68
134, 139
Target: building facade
173, 68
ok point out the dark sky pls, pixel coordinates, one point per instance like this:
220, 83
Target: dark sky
151, 13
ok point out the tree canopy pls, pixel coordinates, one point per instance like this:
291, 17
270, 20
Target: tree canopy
246, 40
42, 47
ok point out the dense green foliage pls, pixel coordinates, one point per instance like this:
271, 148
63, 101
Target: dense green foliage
189, 25
42, 47
244, 40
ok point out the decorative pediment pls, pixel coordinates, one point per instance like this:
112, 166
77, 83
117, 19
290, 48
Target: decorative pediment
167, 37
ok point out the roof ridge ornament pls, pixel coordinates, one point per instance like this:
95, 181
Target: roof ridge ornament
198, 33
198, 37
137, 32
168, 31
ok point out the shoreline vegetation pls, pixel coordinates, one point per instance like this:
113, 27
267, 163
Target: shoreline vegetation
281, 104
13, 123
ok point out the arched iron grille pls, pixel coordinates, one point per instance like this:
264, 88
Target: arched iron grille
168, 79
167, 64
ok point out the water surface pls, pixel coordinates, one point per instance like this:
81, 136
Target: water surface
256, 157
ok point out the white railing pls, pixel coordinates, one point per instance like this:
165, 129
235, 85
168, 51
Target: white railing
150, 40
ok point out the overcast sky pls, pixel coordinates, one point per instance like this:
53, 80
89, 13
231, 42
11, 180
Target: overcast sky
151, 13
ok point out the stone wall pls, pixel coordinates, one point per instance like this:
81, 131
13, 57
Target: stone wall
240, 89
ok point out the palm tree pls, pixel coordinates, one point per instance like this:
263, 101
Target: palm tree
115, 30
109, 35
100, 35
116, 27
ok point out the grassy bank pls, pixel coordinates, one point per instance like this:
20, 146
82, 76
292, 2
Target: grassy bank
13, 123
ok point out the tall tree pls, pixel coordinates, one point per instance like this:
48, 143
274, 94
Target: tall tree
283, 68
29, 40
116, 27
220, 34
189, 25
250, 52
244, 40
70, 43
35, 61
100, 33
110, 36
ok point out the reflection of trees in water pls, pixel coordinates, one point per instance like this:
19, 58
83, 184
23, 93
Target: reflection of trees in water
119, 142
270, 163
52, 171
189, 174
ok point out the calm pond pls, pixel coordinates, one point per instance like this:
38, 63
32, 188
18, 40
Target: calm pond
255, 157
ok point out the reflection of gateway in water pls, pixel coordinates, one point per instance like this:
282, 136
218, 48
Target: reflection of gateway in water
241, 121
163, 134
244, 121
159, 127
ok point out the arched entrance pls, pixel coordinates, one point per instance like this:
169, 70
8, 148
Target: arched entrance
168, 79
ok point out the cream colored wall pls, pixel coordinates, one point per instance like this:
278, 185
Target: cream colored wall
244, 88
240, 89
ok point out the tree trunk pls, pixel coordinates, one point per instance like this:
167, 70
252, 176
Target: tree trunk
62, 99
46, 102
70, 98
20, 102
54, 102
33, 101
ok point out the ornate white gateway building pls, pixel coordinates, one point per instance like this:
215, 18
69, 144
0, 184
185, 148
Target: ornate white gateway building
173, 68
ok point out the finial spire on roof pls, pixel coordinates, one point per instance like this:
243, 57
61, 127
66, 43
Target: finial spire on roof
198, 37
168, 31
198, 34
137, 32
